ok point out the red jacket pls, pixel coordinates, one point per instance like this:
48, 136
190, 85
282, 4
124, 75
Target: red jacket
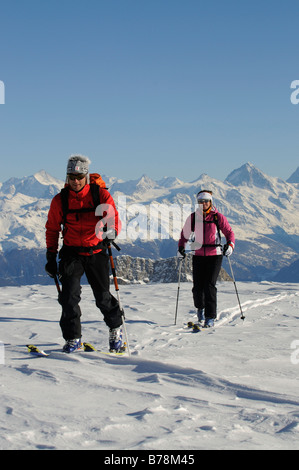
82, 229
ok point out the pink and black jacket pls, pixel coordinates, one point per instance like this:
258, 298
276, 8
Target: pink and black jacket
204, 230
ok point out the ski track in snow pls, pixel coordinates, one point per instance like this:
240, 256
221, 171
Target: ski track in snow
230, 387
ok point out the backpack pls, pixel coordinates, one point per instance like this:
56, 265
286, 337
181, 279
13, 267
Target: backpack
96, 182
214, 221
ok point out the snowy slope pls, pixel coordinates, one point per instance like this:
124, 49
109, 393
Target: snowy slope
231, 387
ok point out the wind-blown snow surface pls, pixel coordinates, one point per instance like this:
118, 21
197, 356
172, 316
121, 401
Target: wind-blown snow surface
231, 387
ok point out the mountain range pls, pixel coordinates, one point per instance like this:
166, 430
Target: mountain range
262, 210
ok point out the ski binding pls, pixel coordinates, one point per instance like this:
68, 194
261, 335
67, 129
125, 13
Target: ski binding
88, 347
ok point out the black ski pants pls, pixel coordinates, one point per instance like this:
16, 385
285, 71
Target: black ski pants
96, 267
206, 270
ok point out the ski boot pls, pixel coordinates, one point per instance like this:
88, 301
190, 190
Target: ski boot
115, 340
72, 345
201, 315
209, 323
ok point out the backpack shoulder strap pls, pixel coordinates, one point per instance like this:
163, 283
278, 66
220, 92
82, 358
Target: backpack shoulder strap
216, 221
95, 193
64, 194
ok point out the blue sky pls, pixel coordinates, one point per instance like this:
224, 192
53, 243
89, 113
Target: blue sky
156, 87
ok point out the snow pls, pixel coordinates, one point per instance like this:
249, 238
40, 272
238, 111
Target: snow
231, 387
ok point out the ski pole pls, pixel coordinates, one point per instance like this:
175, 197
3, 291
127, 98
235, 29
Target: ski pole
57, 286
117, 293
178, 293
115, 246
242, 315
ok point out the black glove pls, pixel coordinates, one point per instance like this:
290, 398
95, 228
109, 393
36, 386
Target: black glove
181, 252
51, 266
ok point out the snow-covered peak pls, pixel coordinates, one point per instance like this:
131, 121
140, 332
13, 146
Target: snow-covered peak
145, 183
250, 176
139, 186
40, 185
294, 178
170, 182
45, 178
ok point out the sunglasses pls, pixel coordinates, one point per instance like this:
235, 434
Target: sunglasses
76, 177
202, 201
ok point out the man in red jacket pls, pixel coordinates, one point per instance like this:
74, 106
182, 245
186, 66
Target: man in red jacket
85, 239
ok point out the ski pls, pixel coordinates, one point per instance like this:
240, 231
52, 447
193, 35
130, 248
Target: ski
88, 347
36, 351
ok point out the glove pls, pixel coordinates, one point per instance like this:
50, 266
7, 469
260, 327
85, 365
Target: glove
51, 266
110, 235
181, 254
228, 249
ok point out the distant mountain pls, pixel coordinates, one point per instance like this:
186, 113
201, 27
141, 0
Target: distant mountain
289, 273
23, 267
251, 176
132, 270
262, 210
134, 186
294, 178
41, 185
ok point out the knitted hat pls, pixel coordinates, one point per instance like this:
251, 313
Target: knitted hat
78, 164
